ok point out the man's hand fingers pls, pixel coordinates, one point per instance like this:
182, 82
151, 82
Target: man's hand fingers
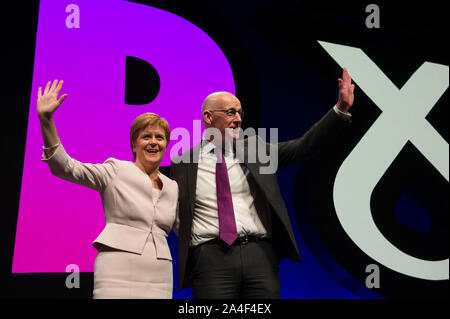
345, 76
39, 92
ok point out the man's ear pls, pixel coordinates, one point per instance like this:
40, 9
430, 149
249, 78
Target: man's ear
207, 117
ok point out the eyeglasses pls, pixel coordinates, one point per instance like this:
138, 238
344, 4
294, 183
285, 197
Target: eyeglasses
231, 113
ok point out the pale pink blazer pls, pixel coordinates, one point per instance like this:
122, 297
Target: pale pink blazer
131, 214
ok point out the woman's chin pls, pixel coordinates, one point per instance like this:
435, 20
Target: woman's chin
152, 160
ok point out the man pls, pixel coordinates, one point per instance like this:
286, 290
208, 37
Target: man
233, 225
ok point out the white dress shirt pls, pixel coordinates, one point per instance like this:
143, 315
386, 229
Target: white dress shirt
249, 220
251, 209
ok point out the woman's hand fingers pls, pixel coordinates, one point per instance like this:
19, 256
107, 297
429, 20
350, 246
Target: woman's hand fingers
58, 88
53, 87
48, 102
47, 87
61, 99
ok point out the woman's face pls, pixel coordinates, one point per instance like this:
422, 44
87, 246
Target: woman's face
150, 146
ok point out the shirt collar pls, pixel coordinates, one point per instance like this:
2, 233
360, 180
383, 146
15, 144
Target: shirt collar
208, 148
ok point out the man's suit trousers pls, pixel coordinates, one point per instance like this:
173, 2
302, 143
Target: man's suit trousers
244, 270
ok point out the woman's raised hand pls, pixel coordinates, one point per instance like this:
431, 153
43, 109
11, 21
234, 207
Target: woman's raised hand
48, 102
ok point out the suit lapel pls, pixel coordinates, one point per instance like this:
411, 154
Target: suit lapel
262, 181
252, 167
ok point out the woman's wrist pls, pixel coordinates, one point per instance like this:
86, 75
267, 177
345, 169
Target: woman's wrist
45, 119
46, 147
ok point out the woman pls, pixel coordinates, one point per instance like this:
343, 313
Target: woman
139, 202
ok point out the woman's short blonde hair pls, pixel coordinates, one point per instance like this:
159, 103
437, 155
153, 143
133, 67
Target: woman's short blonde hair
144, 120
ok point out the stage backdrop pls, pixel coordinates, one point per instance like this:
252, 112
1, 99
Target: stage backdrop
370, 211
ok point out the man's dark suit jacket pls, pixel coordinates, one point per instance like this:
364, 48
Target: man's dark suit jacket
184, 171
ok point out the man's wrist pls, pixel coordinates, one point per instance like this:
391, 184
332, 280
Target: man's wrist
343, 115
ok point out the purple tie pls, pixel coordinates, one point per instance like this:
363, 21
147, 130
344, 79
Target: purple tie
227, 223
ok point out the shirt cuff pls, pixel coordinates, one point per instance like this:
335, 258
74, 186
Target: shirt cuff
344, 116
44, 156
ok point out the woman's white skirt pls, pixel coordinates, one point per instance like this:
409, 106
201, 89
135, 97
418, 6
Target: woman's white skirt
125, 275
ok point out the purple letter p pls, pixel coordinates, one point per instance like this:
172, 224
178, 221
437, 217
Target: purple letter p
57, 220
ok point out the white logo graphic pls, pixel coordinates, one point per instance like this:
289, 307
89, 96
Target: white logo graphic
402, 120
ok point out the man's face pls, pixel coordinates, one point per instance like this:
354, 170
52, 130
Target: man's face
225, 116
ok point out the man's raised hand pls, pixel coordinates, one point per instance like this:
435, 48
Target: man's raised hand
346, 96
